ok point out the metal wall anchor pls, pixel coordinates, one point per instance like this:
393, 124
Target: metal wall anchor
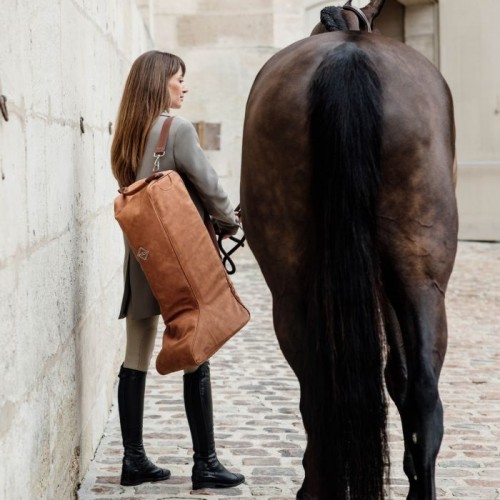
82, 126
3, 107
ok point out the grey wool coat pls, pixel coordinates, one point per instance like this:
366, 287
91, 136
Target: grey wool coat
183, 154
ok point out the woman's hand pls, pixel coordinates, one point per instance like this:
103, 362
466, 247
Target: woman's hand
237, 216
224, 235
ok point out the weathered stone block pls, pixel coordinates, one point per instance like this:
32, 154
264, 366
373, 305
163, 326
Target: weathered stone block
229, 29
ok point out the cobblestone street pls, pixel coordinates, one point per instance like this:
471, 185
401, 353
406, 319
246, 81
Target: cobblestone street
257, 422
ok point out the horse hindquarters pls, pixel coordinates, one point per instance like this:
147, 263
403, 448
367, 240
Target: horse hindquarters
417, 234
342, 402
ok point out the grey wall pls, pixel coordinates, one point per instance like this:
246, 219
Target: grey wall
60, 247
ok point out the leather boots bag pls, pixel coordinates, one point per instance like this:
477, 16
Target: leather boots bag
167, 236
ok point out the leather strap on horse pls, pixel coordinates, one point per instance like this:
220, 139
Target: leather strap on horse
360, 14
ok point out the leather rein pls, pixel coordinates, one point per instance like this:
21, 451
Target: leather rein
360, 14
227, 262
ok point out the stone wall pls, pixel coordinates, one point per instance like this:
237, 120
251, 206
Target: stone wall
421, 27
62, 68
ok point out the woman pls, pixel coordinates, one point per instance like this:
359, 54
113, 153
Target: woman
155, 85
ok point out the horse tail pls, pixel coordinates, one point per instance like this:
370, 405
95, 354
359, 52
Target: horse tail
344, 394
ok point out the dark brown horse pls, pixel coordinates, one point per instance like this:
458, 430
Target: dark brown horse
348, 204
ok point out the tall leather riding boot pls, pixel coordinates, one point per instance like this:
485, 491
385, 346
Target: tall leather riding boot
137, 468
208, 472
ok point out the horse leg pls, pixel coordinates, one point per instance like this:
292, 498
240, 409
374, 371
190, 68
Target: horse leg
290, 328
396, 372
310, 487
422, 319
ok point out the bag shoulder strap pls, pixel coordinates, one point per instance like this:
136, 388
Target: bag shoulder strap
161, 146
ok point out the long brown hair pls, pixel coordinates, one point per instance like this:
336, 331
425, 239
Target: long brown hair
144, 98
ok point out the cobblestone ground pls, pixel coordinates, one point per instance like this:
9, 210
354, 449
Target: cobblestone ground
258, 426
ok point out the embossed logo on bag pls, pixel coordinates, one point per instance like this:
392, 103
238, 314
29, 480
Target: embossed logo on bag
142, 253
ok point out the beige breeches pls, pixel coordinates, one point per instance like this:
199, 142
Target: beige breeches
141, 336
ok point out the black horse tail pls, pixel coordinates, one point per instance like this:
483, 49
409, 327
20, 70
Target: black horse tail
344, 395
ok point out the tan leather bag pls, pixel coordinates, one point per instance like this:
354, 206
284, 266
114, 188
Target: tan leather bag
166, 234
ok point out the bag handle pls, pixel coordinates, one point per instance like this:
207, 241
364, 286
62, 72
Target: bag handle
127, 191
162, 143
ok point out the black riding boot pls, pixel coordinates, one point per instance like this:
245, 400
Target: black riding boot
208, 472
137, 468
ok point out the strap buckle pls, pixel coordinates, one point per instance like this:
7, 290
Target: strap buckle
156, 164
